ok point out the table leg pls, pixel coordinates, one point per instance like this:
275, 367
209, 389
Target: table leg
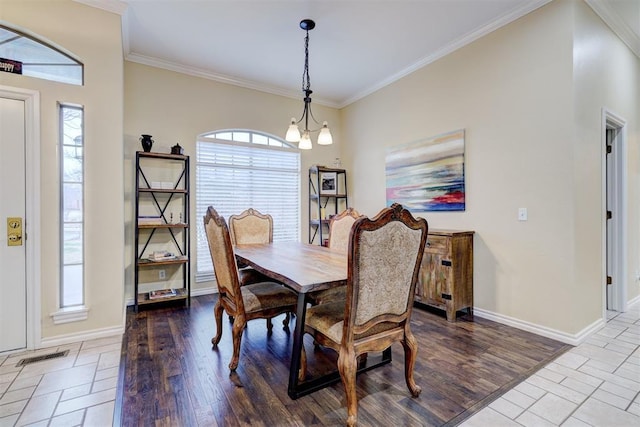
298, 389
296, 351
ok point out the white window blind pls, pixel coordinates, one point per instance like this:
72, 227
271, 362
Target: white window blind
233, 176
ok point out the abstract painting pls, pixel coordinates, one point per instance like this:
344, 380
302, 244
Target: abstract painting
427, 175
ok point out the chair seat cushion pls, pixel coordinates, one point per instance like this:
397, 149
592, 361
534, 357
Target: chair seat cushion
329, 295
248, 276
265, 295
328, 319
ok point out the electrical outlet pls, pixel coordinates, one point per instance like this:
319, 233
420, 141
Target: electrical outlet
162, 274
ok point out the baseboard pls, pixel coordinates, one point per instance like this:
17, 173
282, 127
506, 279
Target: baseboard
572, 339
633, 302
81, 336
194, 293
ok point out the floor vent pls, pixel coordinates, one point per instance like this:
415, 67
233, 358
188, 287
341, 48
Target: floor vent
35, 359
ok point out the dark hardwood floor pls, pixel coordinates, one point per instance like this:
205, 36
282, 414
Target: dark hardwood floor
171, 376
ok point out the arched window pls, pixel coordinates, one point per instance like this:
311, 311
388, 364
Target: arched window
237, 169
23, 54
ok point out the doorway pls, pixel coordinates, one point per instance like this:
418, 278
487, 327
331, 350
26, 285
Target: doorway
19, 210
615, 212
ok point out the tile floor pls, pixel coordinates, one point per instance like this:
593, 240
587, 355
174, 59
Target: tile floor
76, 390
594, 384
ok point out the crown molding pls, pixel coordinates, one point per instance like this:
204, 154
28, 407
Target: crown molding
610, 17
113, 6
450, 48
221, 78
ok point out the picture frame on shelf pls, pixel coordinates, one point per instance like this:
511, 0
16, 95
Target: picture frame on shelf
328, 183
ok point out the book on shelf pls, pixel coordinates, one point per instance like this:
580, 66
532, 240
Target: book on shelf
161, 256
162, 293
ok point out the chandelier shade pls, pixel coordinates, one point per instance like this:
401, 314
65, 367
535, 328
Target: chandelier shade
293, 132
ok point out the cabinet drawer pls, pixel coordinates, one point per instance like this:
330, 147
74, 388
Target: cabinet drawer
437, 244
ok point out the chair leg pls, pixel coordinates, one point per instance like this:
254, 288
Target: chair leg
347, 366
237, 330
285, 322
217, 311
410, 352
362, 359
302, 373
269, 325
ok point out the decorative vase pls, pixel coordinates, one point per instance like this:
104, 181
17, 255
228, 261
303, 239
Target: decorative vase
146, 142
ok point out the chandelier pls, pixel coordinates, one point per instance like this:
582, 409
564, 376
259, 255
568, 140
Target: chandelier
293, 133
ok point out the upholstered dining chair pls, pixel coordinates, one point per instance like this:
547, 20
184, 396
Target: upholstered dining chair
340, 228
339, 231
251, 227
257, 300
383, 266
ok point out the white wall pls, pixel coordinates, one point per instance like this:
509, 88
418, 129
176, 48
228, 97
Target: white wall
513, 92
606, 75
174, 107
94, 36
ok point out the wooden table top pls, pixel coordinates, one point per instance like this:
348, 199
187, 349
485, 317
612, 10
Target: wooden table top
302, 267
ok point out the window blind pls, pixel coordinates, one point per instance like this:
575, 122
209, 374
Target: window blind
234, 176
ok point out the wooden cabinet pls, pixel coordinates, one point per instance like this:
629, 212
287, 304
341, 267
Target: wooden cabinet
327, 197
446, 273
161, 225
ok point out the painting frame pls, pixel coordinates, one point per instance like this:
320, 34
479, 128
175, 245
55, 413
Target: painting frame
428, 175
329, 183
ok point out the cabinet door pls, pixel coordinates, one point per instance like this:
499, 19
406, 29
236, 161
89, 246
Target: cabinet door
435, 273
435, 278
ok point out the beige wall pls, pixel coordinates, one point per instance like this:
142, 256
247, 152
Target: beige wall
515, 94
174, 107
94, 37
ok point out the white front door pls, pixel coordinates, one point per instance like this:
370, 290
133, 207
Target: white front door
13, 266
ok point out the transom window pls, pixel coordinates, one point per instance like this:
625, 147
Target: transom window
241, 169
23, 54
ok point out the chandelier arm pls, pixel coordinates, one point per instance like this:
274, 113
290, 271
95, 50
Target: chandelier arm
313, 117
304, 113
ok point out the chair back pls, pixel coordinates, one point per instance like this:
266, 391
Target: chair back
251, 227
223, 257
385, 253
340, 229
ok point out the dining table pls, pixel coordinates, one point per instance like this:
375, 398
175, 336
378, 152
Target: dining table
303, 268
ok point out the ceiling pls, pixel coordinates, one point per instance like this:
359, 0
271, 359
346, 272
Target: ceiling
357, 47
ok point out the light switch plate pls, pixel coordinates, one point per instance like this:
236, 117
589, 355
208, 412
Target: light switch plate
522, 214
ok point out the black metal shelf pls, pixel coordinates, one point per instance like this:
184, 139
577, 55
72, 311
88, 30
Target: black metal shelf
320, 202
177, 233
